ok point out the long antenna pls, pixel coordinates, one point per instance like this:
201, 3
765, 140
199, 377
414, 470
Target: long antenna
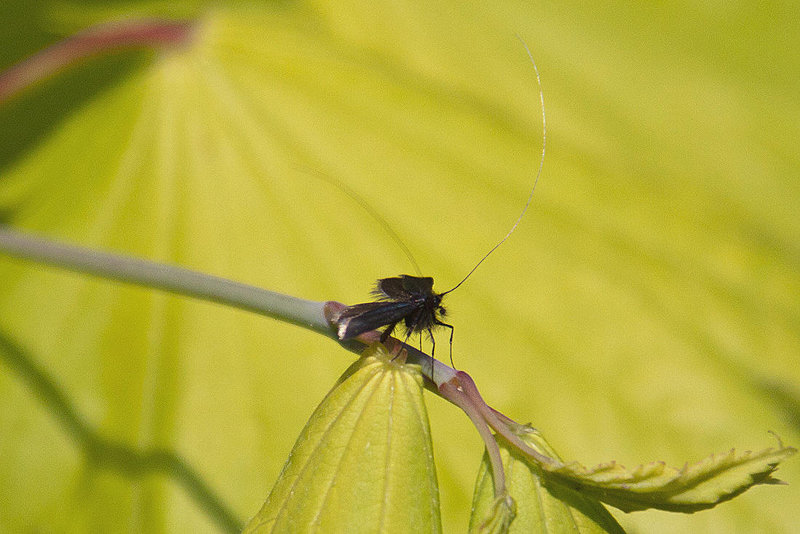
538, 173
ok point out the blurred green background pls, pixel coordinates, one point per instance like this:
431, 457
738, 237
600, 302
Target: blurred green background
646, 309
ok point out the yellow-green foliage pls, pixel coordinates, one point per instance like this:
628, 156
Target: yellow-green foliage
646, 308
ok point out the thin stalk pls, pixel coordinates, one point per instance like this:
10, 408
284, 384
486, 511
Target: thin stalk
320, 317
453, 392
306, 313
497, 421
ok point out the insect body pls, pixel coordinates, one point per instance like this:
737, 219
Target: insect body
407, 299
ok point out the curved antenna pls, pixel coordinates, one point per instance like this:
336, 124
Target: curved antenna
536, 180
369, 209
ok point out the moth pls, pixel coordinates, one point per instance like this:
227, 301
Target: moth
411, 300
405, 298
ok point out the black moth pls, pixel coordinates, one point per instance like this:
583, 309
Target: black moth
411, 299
405, 298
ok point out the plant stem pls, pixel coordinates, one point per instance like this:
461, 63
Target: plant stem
453, 392
306, 313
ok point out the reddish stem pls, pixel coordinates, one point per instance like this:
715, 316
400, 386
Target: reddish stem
91, 42
455, 393
497, 421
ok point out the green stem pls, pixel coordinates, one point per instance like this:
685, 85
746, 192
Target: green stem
306, 313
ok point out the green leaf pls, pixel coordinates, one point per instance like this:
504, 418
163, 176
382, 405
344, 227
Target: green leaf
539, 506
562, 497
364, 461
700, 486
501, 512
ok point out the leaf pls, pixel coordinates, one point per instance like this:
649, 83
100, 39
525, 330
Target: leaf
499, 516
700, 486
562, 497
539, 506
364, 461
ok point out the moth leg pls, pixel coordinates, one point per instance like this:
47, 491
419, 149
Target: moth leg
405, 341
408, 335
452, 330
388, 332
433, 348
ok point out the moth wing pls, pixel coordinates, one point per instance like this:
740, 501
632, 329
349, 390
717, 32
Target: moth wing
417, 285
359, 318
403, 287
391, 289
